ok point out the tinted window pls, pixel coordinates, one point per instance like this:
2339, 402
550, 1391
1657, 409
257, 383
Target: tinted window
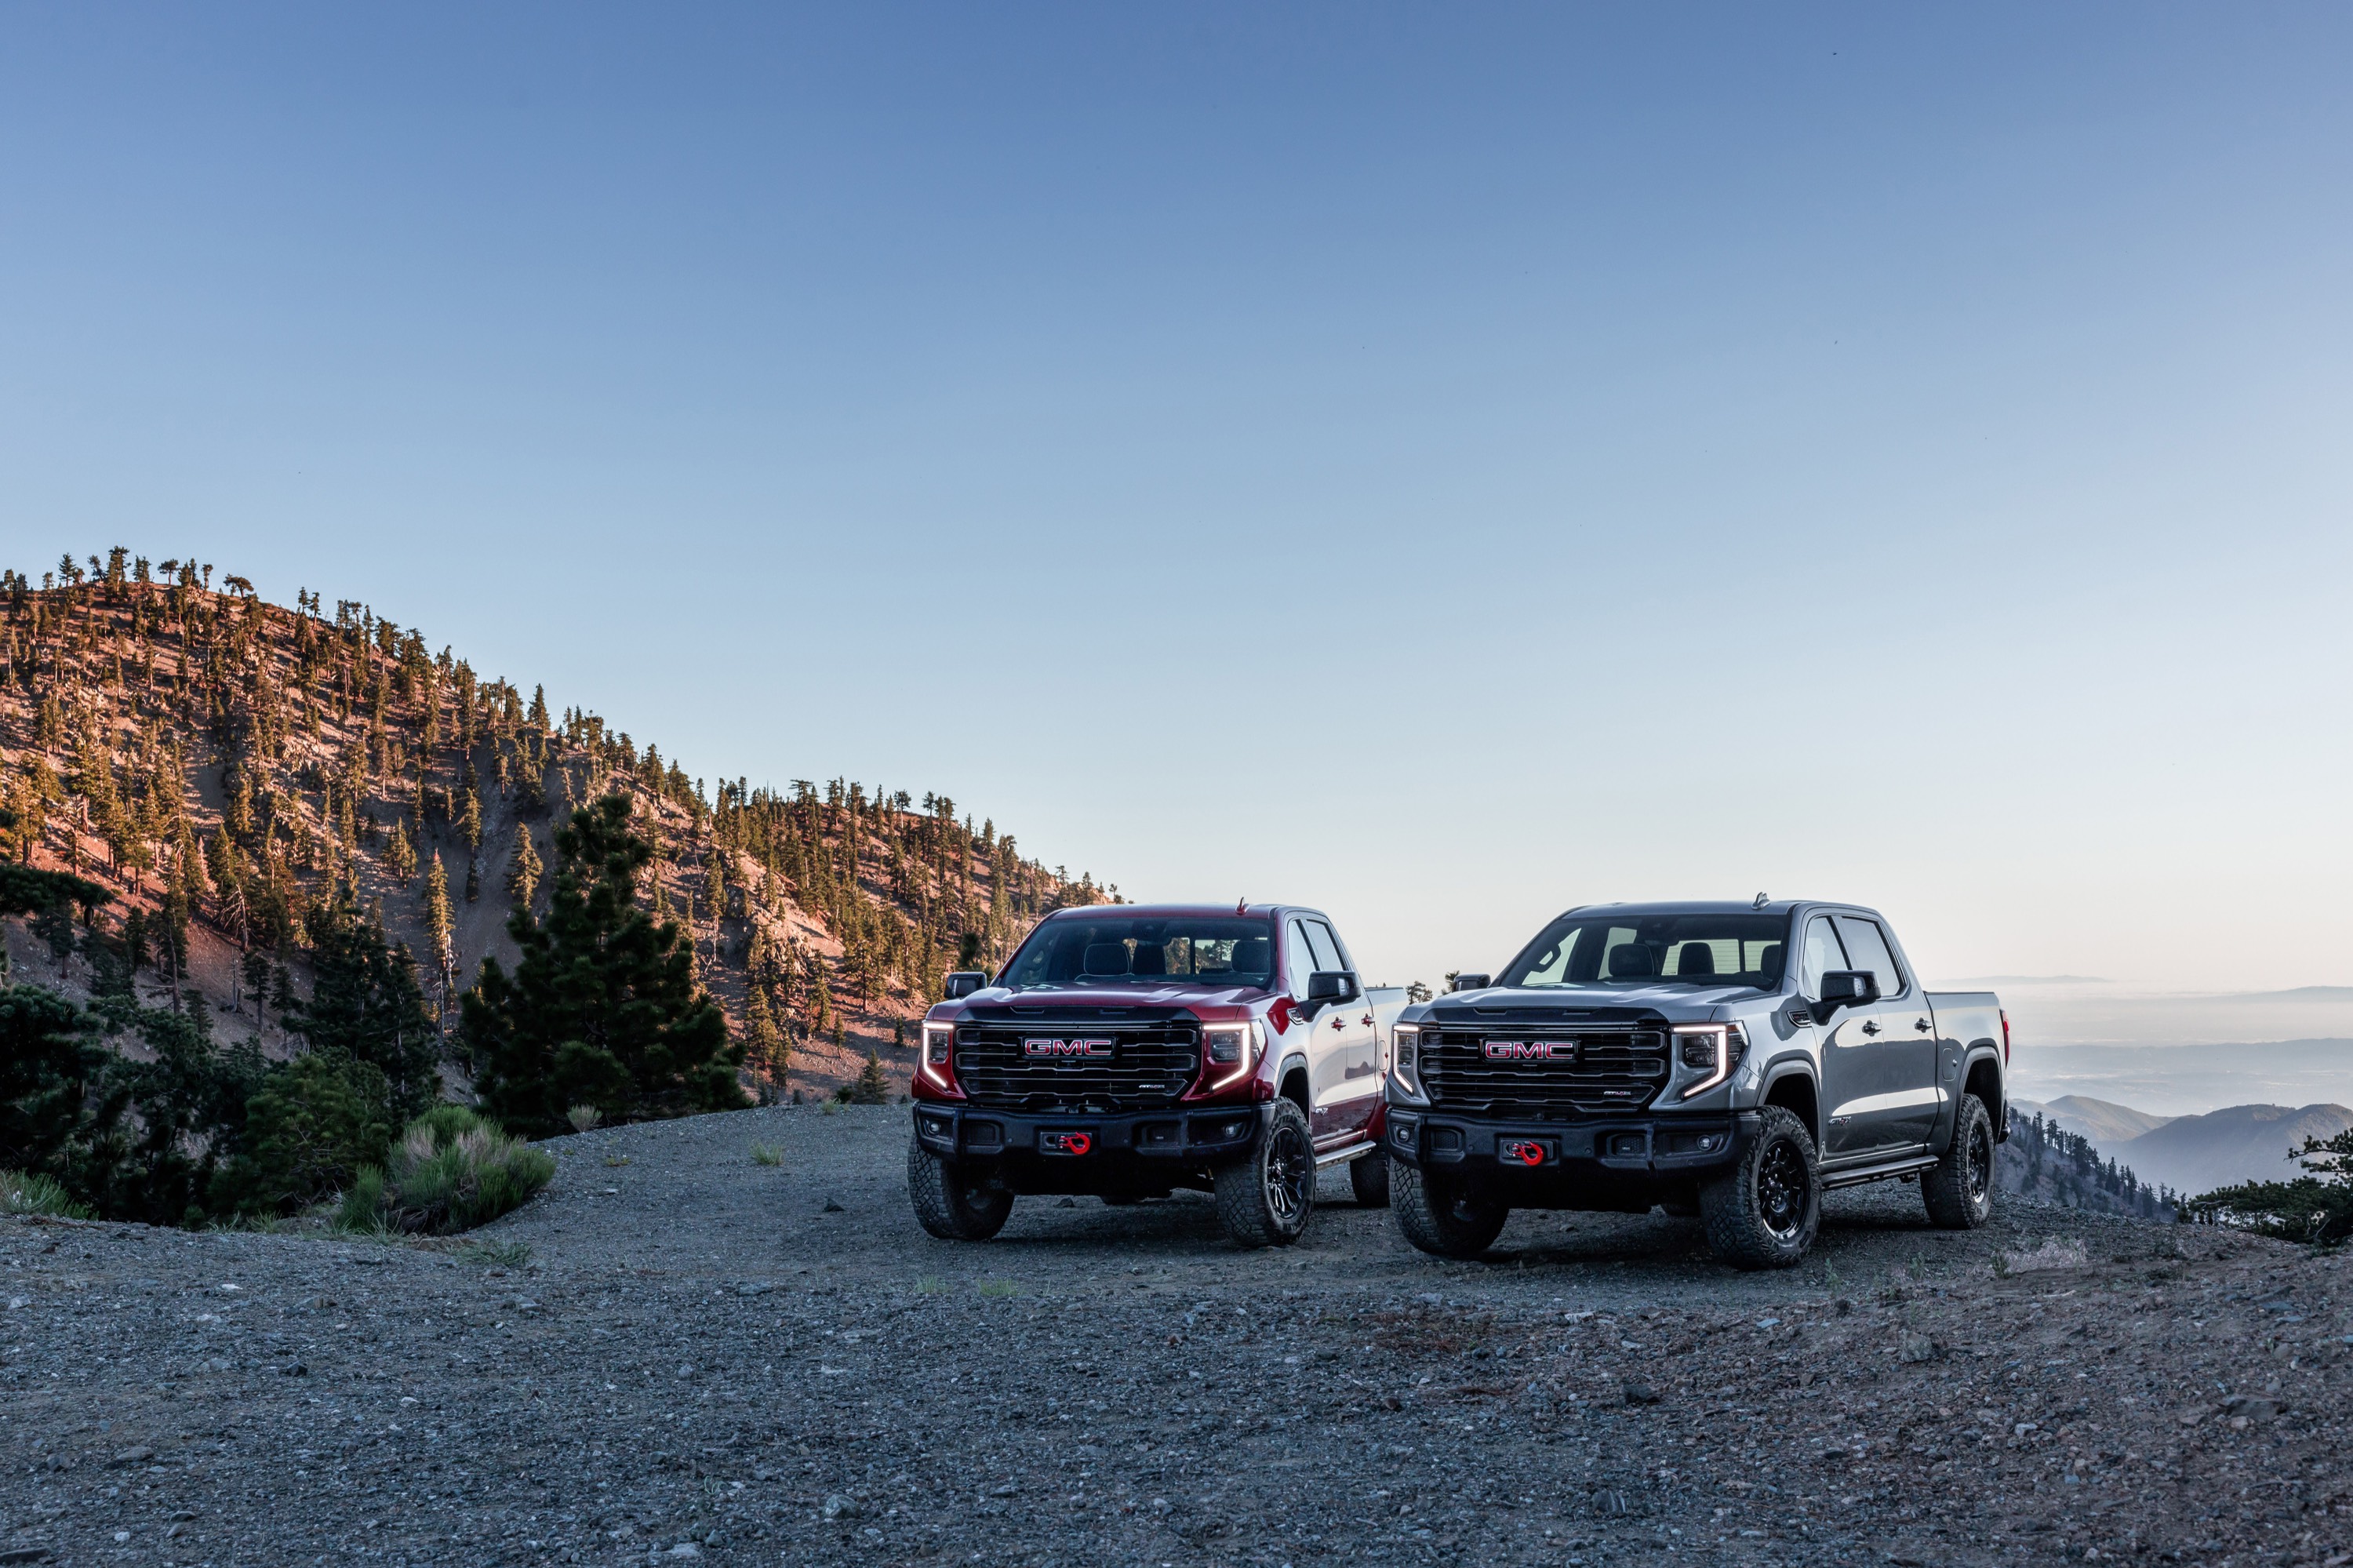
1107, 950
1710, 950
1868, 947
1823, 954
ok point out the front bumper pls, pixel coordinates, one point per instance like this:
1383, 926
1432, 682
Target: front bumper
1032, 1151
1617, 1162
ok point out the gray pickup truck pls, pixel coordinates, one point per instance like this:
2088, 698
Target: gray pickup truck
1725, 1060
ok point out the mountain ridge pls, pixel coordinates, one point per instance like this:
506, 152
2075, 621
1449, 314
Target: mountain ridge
225, 767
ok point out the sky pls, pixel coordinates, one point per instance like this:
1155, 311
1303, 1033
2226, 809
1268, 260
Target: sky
1440, 464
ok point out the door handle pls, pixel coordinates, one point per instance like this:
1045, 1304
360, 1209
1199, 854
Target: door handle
1921, 1025
1870, 1026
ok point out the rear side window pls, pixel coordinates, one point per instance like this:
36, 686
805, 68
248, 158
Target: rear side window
1823, 954
1867, 945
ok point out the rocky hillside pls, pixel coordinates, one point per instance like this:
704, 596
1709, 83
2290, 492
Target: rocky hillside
2044, 1163
225, 767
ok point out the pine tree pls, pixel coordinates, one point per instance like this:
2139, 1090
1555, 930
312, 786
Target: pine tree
523, 875
400, 858
440, 927
601, 1009
764, 1050
365, 1004
872, 1087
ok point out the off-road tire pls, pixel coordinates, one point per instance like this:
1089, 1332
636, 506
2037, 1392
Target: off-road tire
1959, 1192
953, 1201
1439, 1217
1264, 1201
1369, 1176
1764, 1211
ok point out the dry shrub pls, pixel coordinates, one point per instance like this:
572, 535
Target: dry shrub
451, 1170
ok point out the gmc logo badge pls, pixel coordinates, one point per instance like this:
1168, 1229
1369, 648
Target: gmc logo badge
1037, 1047
1530, 1050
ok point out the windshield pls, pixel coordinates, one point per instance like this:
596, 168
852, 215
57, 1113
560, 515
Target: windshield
1110, 950
1628, 950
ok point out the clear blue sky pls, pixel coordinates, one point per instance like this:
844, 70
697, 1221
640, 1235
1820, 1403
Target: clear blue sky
1444, 463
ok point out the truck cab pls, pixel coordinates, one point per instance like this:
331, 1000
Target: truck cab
1730, 1062
1127, 1050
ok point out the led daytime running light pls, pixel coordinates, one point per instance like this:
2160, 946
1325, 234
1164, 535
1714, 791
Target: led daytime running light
938, 1043
1730, 1044
1251, 1041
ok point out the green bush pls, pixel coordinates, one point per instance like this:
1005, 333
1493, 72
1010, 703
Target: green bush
2316, 1207
36, 1195
451, 1170
315, 1123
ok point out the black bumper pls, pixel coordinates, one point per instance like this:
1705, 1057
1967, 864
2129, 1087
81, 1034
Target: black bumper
1033, 1152
1618, 1163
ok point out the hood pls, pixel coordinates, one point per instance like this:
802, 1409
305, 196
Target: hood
1676, 1003
1117, 997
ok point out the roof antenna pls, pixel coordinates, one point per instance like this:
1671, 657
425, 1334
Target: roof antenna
1760, 903
1242, 906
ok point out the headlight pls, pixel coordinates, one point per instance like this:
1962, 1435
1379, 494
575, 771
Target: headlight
1405, 1059
1233, 1051
1710, 1050
939, 1040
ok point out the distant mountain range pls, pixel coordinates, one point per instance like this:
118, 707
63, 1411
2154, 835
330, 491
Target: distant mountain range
2194, 1154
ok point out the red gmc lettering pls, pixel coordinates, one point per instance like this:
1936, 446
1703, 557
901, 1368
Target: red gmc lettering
1530, 1050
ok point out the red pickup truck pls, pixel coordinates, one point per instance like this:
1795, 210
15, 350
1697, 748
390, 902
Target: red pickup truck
1129, 1050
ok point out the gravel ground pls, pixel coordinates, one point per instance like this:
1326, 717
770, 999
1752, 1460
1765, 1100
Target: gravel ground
705, 1356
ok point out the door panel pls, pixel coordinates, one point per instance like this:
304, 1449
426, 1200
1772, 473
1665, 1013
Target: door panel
1887, 1099
1343, 1082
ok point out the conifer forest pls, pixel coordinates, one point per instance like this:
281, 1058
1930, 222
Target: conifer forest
240, 833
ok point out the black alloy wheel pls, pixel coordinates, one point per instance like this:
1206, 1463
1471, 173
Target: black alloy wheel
1764, 1210
1959, 1190
1783, 1190
1265, 1200
1290, 1170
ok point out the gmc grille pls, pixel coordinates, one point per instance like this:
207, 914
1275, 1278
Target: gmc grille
1614, 1070
1148, 1066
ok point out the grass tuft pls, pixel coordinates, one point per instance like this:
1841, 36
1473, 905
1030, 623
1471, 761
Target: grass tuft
767, 1154
998, 1289
36, 1195
582, 1117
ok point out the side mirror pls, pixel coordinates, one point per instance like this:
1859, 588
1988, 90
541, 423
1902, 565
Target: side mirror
1848, 988
963, 982
1471, 982
1332, 985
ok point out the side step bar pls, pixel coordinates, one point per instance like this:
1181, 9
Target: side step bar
1343, 1156
1904, 1167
